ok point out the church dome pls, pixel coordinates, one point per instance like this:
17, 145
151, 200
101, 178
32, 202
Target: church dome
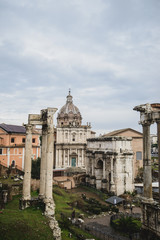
69, 114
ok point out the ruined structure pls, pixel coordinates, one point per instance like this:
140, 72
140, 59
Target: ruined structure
45, 118
71, 138
110, 164
149, 114
137, 146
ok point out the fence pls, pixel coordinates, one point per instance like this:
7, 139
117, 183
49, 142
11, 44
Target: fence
102, 234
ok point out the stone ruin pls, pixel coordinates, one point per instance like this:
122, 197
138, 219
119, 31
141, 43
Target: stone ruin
149, 114
45, 119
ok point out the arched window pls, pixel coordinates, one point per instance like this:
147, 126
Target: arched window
73, 137
100, 164
13, 164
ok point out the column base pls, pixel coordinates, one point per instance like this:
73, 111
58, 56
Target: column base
112, 187
41, 196
49, 207
23, 204
148, 200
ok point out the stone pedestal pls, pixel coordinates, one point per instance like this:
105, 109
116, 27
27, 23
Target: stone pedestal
98, 184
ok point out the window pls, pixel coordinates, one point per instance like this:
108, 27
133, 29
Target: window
73, 137
33, 140
66, 135
138, 155
12, 140
23, 140
13, 164
1, 151
99, 145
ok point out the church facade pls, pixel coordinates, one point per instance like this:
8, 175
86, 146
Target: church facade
71, 137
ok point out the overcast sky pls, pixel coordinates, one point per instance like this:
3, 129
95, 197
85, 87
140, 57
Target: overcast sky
106, 51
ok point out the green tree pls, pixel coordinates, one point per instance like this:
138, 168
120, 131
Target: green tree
127, 224
36, 168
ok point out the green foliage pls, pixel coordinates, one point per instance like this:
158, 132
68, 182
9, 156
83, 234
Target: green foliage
127, 224
36, 168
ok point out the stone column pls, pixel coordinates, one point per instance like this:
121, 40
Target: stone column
158, 135
93, 166
68, 157
64, 159
49, 163
43, 162
147, 170
27, 163
112, 189
104, 169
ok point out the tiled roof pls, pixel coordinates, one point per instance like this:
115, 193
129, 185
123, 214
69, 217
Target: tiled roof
13, 128
116, 132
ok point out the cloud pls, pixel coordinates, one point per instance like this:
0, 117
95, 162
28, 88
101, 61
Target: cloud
107, 52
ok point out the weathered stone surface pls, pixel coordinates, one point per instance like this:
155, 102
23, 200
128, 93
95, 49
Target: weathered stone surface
110, 164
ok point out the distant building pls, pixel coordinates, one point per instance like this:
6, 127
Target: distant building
110, 164
154, 144
12, 145
137, 145
71, 137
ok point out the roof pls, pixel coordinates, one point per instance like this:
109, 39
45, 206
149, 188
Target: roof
114, 200
116, 132
13, 128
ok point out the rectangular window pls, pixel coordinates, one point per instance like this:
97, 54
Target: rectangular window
12, 140
33, 140
138, 155
23, 140
1, 151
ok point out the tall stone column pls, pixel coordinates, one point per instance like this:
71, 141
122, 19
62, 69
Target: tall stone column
49, 207
112, 189
43, 162
104, 169
147, 170
49, 163
158, 135
93, 166
27, 163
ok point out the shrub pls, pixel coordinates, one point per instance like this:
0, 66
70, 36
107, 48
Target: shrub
36, 168
127, 224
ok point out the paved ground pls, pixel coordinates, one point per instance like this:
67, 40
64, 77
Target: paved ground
103, 223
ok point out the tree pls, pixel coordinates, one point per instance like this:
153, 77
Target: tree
36, 168
127, 224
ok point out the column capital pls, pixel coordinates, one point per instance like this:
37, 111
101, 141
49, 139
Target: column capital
29, 128
145, 123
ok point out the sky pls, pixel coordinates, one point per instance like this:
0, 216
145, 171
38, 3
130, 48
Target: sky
106, 51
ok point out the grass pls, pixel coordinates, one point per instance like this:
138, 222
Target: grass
65, 204
28, 224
